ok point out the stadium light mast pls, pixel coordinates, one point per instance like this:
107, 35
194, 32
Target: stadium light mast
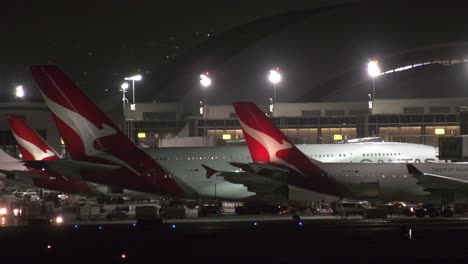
374, 70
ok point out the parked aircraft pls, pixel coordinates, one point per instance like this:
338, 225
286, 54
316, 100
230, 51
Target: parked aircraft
90, 136
34, 149
438, 183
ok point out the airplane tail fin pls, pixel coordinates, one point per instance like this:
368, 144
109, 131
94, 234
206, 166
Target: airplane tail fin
90, 136
85, 129
266, 142
30, 144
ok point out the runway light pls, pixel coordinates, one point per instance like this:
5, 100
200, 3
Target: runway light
49, 246
134, 224
76, 226
255, 224
3, 220
123, 256
173, 226
99, 227
300, 223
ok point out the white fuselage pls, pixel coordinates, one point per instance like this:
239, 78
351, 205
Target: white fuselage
185, 164
390, 182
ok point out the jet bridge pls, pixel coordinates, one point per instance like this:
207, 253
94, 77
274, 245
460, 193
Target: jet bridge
453, 148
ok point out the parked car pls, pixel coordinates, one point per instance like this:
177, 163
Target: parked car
350, 208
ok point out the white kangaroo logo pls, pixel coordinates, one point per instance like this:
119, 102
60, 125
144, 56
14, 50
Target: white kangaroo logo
35, 151
87, 131
270, 144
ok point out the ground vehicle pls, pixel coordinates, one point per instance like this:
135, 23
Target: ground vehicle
350, 207
401, 208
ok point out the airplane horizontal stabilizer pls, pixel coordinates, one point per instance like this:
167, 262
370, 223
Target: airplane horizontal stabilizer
70, 168
209, 171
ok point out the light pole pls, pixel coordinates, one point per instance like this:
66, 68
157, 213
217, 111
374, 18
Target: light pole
374, 70
274, 77
133, 79
123, 89
205, 82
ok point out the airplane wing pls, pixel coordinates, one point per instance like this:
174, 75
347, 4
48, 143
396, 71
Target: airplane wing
267, 184
437, 182
70, 168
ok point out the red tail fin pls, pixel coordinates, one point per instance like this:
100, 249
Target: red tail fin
31, 145
78, 119
266, 142
91, 136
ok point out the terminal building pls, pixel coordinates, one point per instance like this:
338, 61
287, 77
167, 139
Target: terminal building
419, 121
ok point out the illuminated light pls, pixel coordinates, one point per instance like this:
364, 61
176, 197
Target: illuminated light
19, 91
337, 137
16, 212
255, 224
3, 220
205, 81
410, 233
134, 78
173, 226
123, 256
373, 68
274, 76
76, 226
59, 220
141, 135
99, 227
62, 142
227, 136
124, 87
439, 131
3, 211
300, 223
49, 246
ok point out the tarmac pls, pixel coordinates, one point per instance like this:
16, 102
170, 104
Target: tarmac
234, 239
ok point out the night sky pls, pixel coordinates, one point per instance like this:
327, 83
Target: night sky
171, 42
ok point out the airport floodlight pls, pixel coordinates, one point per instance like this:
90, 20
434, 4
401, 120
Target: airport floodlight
205, 80
19, 91
373, 68
134, 78
274, 76
124, 87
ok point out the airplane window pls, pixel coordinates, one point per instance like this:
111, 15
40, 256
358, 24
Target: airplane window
332, 155
340, 155
344, 155
363, 154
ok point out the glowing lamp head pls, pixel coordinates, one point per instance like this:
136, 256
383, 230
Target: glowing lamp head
205, 81
124, 86
134, 78
274, 76
19, 91
373, 68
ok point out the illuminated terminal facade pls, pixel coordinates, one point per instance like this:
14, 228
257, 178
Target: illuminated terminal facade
402, 120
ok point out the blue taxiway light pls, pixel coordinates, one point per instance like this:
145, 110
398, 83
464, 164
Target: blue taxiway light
173, 226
